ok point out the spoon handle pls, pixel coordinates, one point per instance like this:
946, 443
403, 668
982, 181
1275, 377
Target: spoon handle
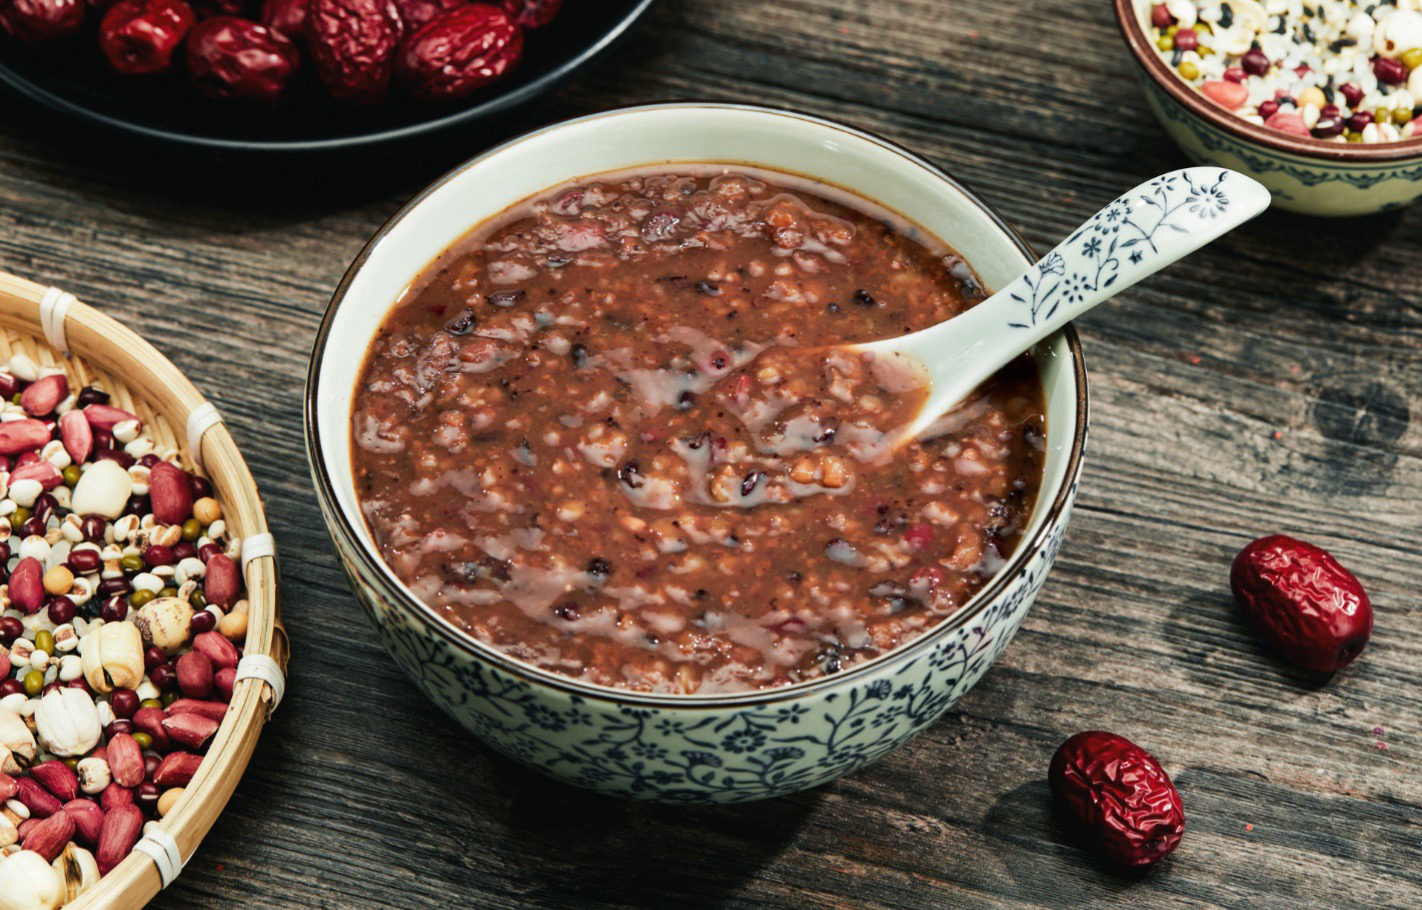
1139, 233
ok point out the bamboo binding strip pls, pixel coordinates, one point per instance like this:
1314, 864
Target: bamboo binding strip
56, 330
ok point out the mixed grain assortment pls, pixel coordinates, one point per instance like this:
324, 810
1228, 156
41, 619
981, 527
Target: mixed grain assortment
1329, 69
120, 625
609, 435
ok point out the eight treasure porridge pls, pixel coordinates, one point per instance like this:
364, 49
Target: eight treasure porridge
607, 434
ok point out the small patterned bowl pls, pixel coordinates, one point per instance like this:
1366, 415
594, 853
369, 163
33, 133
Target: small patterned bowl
665, 747
1304, 175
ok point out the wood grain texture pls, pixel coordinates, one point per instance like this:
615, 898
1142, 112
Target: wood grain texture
1269, 383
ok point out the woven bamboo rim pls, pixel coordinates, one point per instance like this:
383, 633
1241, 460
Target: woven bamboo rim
143, 381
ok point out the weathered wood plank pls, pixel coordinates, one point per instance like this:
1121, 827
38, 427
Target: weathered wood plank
363, 795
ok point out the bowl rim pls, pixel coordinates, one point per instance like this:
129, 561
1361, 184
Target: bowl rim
343, 528
1149, 60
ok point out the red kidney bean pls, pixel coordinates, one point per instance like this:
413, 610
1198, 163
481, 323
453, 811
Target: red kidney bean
159, 555
82, 562
33, 527
1389, 71
9, 385
10, 629
1302, 602
1122, 798
124, 459
137, 505
147, 796
44, 506
184, 550
207, 551
124, 703
201, 486
11, 686
150, 764
103, 439
94, 527
62, 610
152, 658
202, 621
111, 587
90, 395
117, 726
163, 676
115, 609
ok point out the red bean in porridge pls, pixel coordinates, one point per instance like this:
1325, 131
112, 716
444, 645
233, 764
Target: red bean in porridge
608, 433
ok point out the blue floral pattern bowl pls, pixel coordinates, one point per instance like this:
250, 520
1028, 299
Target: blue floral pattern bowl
662, 747
1304, 175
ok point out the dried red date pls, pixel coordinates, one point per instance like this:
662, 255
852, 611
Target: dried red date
1302, 602
287, 17
140, 36
41, 20
1121, 796
239, 58
460, 51
209, 8
353, 45
533, 13
416, 14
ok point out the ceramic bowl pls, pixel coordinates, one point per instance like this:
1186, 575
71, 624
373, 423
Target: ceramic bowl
1304, 175
683, 747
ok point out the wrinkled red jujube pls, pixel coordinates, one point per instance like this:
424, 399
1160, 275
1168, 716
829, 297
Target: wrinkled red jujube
352, 43
1302, 602
41, 20
416, 14
140, 36
239, 58
1122, 798
209, 8
287, 17
533, 13
459, 52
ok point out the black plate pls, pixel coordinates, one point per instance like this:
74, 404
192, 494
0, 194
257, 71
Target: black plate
71, 78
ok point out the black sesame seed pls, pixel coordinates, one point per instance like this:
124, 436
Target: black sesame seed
863, 298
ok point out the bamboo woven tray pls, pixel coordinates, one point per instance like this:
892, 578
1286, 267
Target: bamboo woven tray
45, 322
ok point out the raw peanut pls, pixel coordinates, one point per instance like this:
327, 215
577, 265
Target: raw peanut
1302, 602
195, 674
1124, 801
177, 769
57, 777
122, 826
8, 785
222, 682
217, 649
49, 836
44, 472
18, 436
88, 819
223, 582
171, 493
150, 721
43, 396
105, 416
113, 796
77, 436
37, 799
191, 730
125, 760
27, 585
215, 710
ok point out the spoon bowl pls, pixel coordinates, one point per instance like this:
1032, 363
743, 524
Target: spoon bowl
1138, 234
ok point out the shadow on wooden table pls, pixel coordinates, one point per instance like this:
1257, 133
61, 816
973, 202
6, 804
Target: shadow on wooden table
576, 848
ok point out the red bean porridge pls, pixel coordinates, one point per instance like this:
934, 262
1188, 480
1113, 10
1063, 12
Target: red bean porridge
608, 434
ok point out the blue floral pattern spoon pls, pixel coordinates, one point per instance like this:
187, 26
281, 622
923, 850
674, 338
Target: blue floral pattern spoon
1135, 236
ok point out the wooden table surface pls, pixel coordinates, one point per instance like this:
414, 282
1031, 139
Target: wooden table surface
1267, 384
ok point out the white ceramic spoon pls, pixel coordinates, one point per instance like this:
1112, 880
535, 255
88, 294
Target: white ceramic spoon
1132, 238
